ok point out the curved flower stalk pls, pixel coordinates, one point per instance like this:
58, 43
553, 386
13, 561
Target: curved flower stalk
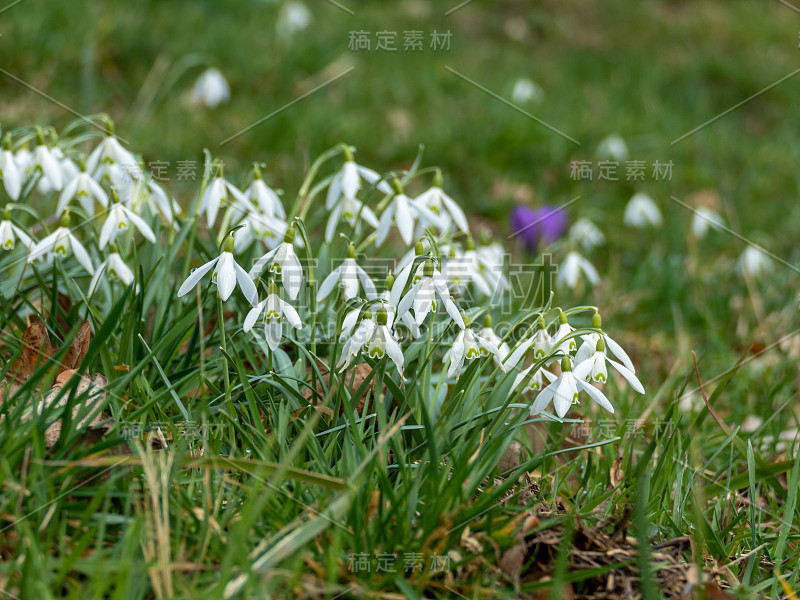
422, 296
85, 190
61, 243
114, 268
378, 339
348, 275
283, 261
564, 392
274, 310
440, 204
594, 368
226, 275
468, 345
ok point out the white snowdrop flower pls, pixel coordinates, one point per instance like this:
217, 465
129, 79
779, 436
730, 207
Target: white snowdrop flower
526, 90
221, 191
276, 309
86, 190
293, 17
114, 268
443, 205
533, 382
560, 344
283, 261
458, 269
348, 275
347, 182
259, 227
642, 212
22, 157
119, 219
351, 211
564, 392
754, 262
705, 218
110, 152
378, 339
423, 295
586, 234
487, 333
570, 272
10, 172
210, 89
541, 342
10, 232
226, 275
490, 267
264, 198
157, 199
403, 212
69, 170
351, 318
467, 346
613, 147
590, 342
594, 368
61, 243
43, 162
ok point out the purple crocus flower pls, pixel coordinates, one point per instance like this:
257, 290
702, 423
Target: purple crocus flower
532, 225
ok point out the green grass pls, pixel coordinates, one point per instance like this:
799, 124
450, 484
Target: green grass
286, 494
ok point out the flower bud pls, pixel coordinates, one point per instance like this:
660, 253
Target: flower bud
566, 364
597, 322
351, 250
428, 269
381, 318
288, 237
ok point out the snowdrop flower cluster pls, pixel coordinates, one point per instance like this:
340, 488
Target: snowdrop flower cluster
580, 366
98, 202
283, 273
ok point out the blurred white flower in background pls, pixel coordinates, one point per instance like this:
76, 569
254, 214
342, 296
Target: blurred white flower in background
704, 218
613, 147
210, 89
526, 90
570, 272
754, 262
586, 234
293, 17
642, 212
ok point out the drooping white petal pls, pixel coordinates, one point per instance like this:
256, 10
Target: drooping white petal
596, 395
273, 331
195, 276
291, 314
248, 287
81, 255
252, 316
629, 375
327, 285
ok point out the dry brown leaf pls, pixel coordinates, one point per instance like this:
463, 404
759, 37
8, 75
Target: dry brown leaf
616, 473
86, 412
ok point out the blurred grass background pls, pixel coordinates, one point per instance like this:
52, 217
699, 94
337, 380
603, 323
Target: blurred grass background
649, 71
